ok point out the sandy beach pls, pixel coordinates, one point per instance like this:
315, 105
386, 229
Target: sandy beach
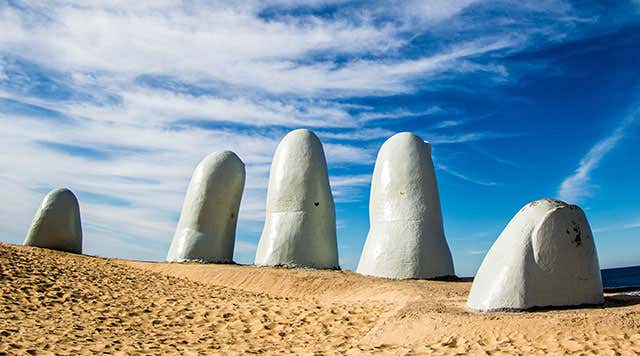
54, 302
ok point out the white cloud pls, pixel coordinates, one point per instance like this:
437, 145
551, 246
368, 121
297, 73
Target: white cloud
339, 153
356, 135
227, 42
233, 44
618, 227
435, 138
398, 113
465, 177
3, 75
436, 10
348, 188
350, 181
576, 187
447, 123
163, 107
494, 157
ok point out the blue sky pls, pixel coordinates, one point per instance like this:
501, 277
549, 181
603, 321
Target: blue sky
521, 100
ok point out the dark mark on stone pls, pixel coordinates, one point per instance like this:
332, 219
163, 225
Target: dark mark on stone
576, 229
316, 203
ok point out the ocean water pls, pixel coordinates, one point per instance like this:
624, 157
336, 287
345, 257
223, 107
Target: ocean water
618, 278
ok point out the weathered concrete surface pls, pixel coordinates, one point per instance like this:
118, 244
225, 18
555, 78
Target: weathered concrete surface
56, 224
300, 225
545, 256
406, 238
206, 230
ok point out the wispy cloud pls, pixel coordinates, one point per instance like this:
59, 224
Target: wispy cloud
480, 235
618, 227
493, 157
447, 123
465, 177
435, 138
357, 134
348, 188
576, 187
231, 43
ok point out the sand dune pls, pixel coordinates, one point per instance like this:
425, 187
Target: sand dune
54, 302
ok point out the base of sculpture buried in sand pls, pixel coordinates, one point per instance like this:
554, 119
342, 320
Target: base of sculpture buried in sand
406, 237
168, 308
300, 223
56, 225
206, 230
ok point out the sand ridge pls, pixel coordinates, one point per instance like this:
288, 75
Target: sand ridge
432, 316
54, 302
67, 303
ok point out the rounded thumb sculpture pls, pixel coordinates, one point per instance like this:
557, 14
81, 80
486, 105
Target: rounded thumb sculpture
57, 224
206, 230
300, 225
544, 257
406, 238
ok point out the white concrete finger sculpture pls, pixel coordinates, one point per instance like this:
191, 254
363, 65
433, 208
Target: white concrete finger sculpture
544, 257
406, 238
300, 225
206, 230
57, 224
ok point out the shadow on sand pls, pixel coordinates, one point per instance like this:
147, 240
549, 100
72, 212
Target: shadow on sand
621, 300
617, 300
